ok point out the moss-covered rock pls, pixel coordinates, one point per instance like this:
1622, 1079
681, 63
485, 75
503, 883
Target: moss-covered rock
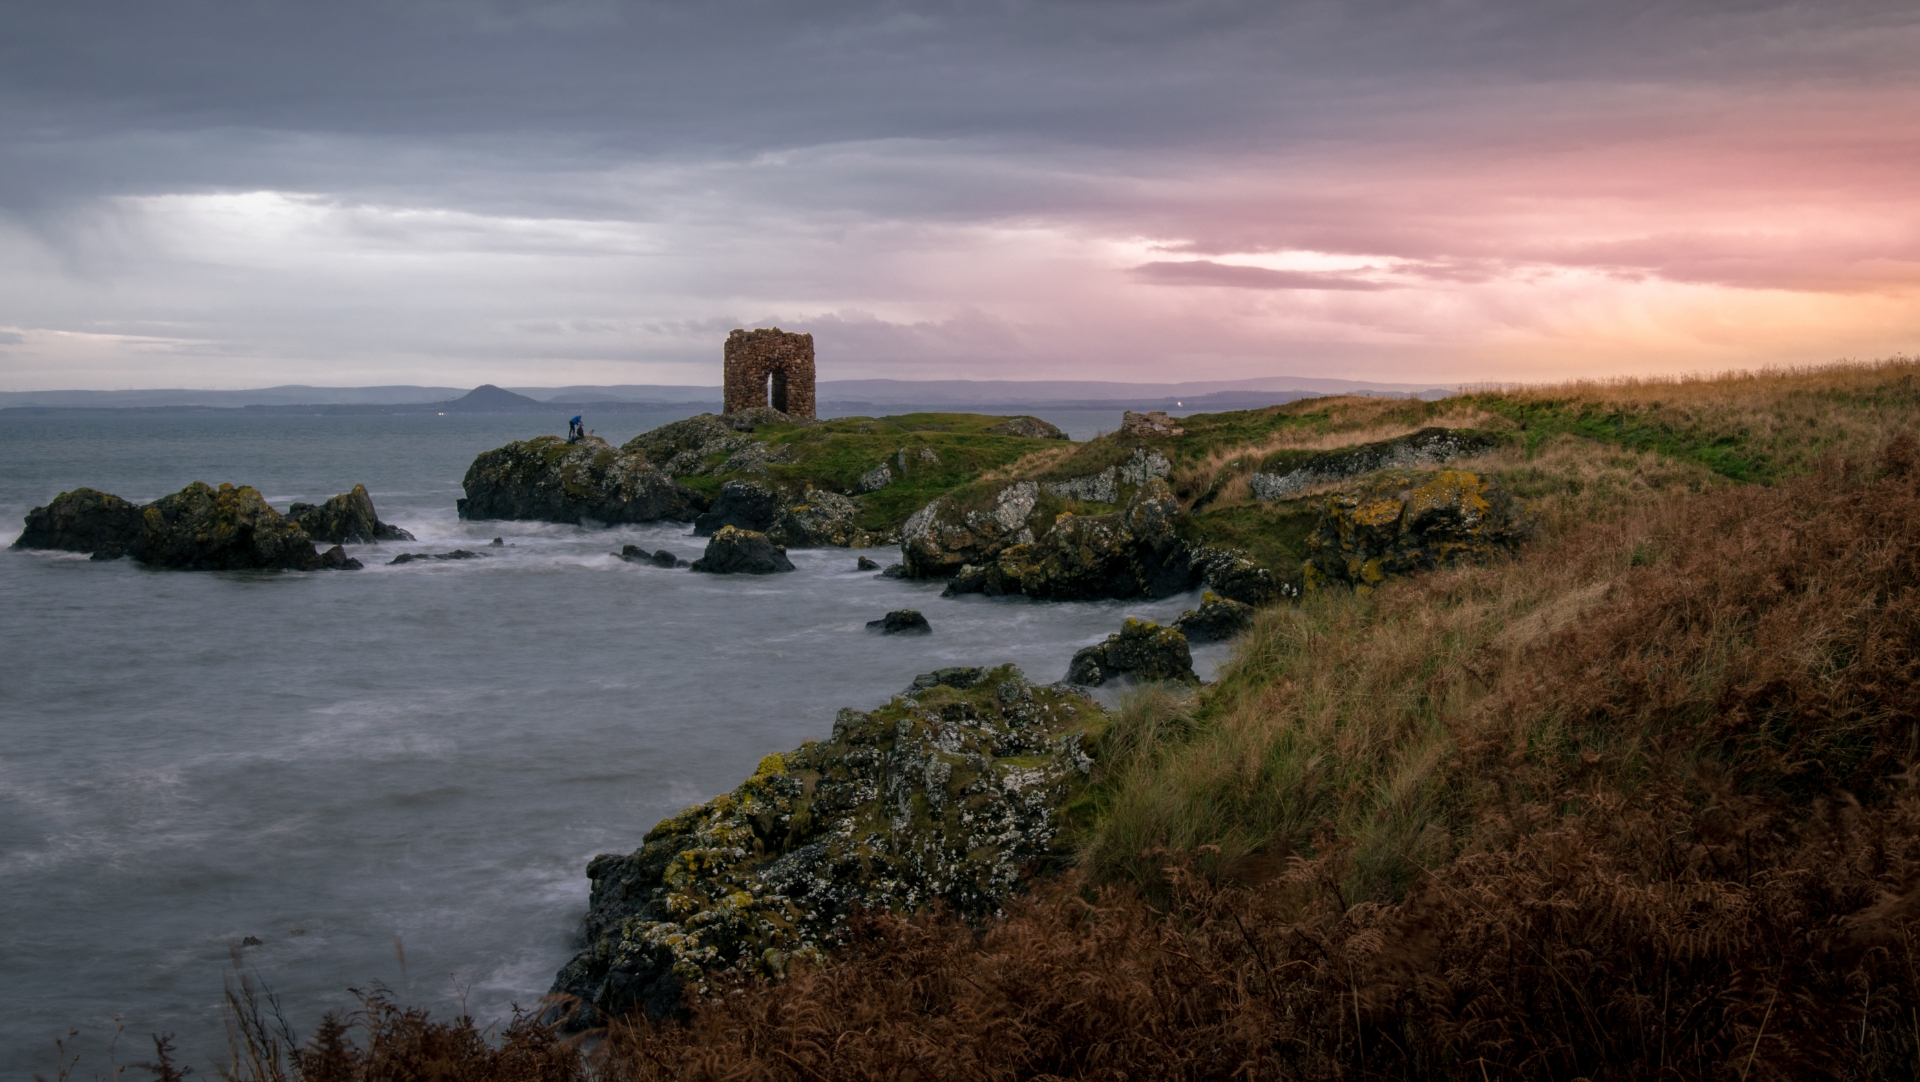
734, 551
346, 519
231, 528
1217, 618
953, 793
85, 520
1401, 523
1288, 473
1142, 650
547, 479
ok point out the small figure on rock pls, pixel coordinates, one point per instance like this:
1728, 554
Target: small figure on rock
575, 431
901, 621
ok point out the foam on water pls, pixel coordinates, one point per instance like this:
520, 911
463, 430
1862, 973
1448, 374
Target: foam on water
425, 754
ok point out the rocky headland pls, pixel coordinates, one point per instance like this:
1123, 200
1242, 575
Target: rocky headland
955, 792
547, 479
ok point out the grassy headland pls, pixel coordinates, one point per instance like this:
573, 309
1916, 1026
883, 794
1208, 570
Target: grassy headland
1638, 802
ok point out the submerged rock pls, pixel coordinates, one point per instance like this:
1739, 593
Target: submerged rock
549, 480
1403, 523
735, 551
346, 519
1217, 618
336, 559
1142, 650
411, 557
953, 796
634, 554
901, 621
865, 564
85, 520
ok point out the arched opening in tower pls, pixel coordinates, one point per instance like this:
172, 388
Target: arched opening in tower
777, 381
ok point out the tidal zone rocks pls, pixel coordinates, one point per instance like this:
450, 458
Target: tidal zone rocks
1401, 523
954, 792
548, 479
734, 551
1143, 650
346, 519
815, 519
199, 528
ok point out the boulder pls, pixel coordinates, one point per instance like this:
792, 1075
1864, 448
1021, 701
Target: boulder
1217, 618
1288, 473
901, 621
634, 554
1124, 554
747, 505
1032, 428
876, 478
346, 519
336, 559
411, 557
952, 798
85, 520
1403, 523
865, 564
820, 519
735, 551
941, 538
231, 528
550, 480
894, 571
1142, 650
1234, 575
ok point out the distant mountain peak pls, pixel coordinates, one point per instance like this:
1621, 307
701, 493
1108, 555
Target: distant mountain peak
487, 397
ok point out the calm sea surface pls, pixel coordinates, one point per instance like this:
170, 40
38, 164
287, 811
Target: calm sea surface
394, 775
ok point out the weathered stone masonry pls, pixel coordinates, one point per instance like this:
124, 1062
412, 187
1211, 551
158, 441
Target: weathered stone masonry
756, 358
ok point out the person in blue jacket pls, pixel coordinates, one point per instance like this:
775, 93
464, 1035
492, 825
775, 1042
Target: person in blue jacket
575, 431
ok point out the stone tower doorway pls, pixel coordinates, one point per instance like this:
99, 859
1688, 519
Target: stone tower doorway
770, 367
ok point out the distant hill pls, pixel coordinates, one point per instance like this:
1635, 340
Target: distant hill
487, 398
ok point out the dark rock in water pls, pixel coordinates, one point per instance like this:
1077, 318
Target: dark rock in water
497, 543
747, 505
952, 800
901, 621
550, 480
410, 557
1143, 650
201, 528
894, 571
663, 558
346, 519
85, 520
736, 551
960, 677
1402, 523
634, 554
1217, 618
1031, 427
864, 564
336, 559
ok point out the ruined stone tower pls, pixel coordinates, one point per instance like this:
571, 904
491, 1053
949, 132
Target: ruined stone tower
770, 368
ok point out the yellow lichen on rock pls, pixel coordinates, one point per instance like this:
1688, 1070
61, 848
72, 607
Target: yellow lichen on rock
1399, 523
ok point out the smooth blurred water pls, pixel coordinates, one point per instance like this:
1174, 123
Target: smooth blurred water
349, 766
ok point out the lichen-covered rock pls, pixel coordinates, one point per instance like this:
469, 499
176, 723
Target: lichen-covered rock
1232, 574
1125, 554
901, 622
346, 519
734, 551
940, 539
746, 505
85, 520
201, 528
1402, 523
1102, 487
1217, 618
1288, 473
953, 794
708, 443
547, 479
821, 519
876, 478
1032, 428
1142, 650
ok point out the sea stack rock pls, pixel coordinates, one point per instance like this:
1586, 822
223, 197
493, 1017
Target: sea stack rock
901, 622
1142, 650
85, 520
346, 519
734, 551
231, 528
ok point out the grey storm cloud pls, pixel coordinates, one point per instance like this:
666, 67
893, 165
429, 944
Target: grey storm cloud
632, 175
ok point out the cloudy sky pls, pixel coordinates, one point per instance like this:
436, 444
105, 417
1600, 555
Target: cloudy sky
238, 194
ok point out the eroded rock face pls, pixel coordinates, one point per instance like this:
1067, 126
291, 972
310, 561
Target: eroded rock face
85, 520
547, 479
1125, 554
939, 539
746, 505
901, 622
1142, 650
201, 528
734, 551
952, 794
1217, 618
1399, 524
346, 519
1305, 469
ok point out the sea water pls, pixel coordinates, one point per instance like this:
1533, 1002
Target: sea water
397, 775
